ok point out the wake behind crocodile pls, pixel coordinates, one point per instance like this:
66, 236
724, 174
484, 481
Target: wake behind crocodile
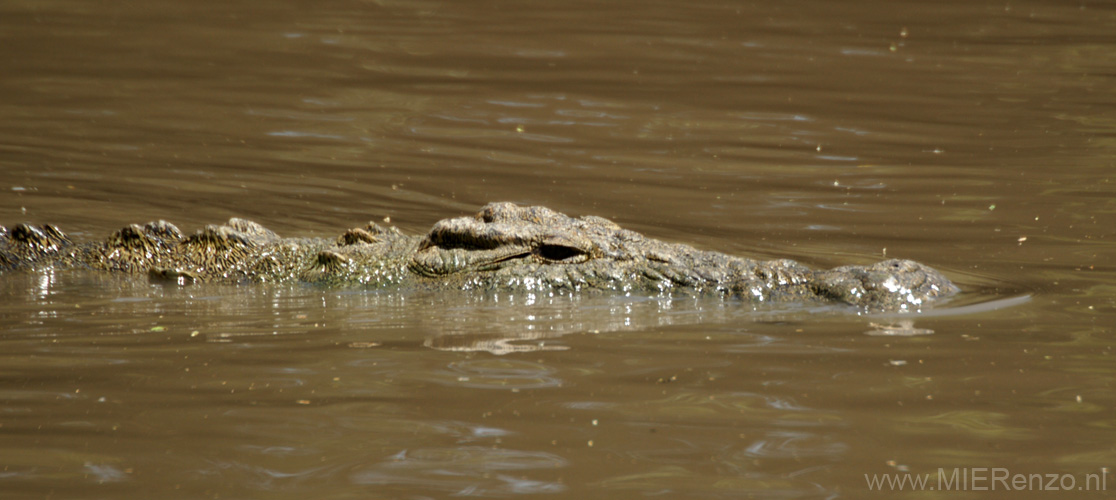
502, 247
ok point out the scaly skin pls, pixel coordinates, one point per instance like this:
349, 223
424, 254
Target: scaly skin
503, 247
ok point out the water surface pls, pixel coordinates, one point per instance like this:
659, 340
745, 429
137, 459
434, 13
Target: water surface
976, 137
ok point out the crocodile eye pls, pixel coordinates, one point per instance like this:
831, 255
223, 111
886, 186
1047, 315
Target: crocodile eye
561, 253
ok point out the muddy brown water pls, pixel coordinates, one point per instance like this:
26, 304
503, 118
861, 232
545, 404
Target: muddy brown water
977, 137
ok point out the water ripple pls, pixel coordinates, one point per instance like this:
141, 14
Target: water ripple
465, 470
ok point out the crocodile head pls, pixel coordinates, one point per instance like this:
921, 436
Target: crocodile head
510, 246
505, 246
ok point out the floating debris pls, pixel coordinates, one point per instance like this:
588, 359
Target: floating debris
904, 328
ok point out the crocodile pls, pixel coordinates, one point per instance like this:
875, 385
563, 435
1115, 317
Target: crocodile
504, 246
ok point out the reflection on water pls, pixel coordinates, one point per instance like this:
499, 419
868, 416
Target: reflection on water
976, 137
301, 387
